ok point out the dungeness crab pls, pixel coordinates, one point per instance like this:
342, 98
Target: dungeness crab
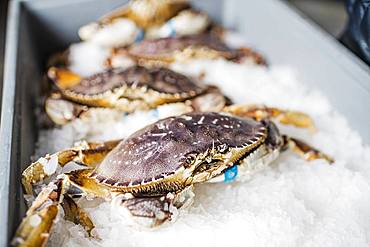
125, 90
178, 49
150, 175
145, 19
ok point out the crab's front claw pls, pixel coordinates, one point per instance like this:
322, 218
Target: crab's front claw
38, 171
147, 212
40, 218
211, 101
62, 111
63, 78
154, 211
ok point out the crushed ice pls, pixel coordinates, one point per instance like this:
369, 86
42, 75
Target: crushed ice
291, 203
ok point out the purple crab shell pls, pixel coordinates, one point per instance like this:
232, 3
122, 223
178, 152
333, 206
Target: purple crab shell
160, 149
161, 80
165, 46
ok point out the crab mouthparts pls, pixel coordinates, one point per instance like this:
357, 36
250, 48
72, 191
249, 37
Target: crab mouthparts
221, 164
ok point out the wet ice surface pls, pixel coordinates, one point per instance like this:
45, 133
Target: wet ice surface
291, 203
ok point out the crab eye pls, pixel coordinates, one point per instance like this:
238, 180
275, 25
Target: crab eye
209, 159
222, 148
190, 158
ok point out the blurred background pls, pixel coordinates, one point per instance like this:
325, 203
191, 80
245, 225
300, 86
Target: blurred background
329, 14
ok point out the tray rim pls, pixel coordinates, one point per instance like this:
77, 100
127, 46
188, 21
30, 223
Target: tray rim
7, 112
10, 79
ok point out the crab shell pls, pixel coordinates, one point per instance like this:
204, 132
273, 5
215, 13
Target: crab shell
205, 45
178, 151
127, 89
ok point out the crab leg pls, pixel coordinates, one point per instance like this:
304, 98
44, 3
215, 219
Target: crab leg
42, 215
39, 220
64, 78
304, 150
212, 100
87, 154
260, 112
245, 54
62, 111
76, 214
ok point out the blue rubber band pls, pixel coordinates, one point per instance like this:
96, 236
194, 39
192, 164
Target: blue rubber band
139, 36
172, 29
155, 113
231, 174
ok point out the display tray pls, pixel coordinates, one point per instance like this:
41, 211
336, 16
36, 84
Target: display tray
38, 28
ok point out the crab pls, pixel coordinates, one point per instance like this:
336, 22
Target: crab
124, 90
148, 13
164, 51
150, 175
141, 19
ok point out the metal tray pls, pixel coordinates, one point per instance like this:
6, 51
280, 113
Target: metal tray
38, 28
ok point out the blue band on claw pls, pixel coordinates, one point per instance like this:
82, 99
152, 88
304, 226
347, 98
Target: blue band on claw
139, 36
231, 174
172, 29
155, 113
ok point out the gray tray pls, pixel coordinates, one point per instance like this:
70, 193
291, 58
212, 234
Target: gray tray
39, 27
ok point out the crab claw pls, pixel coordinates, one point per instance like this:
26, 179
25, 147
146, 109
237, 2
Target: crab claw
62, 111
147, 212
36, 227
211, 100
63, 78
153, 211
